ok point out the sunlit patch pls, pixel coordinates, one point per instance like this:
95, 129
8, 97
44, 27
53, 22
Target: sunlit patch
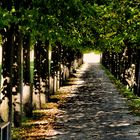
49, 132
80, 81
76, 82
92, 58
63, 96
100, 113
119, 124
38, 122
52, 111
93, 94
51, 105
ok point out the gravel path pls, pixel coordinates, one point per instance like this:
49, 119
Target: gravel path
96, 110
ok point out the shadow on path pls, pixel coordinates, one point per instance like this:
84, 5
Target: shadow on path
96, 110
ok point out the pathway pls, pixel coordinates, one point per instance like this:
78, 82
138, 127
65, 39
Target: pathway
95, 110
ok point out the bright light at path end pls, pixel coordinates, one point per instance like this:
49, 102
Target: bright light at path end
92, 58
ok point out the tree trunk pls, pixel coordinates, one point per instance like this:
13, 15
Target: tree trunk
137, 87
48, 68
42, 63
43, 74
17, 79
7, 62
36, 95
27, 86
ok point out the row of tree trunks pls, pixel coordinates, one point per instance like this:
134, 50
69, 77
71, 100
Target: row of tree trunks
16, 89
63, 64
42, 60
52, 67
125, 66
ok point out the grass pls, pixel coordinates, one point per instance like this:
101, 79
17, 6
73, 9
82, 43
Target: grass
133, 100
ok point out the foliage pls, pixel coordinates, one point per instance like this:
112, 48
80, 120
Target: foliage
121, 23
77, 23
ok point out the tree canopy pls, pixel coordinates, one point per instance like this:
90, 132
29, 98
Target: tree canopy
76, 23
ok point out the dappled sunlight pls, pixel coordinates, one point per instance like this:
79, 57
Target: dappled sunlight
119, 123
43, 124
43, 133
108, 121
88, 105
92, 58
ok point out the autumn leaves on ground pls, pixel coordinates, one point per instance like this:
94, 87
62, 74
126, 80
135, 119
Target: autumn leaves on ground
42, 124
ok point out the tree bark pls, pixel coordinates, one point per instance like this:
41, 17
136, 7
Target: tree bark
7, 62
17, 79
36, 95
27, 86
48, 66
137, 87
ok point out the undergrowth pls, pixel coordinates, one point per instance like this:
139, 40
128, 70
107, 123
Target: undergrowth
133, 100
